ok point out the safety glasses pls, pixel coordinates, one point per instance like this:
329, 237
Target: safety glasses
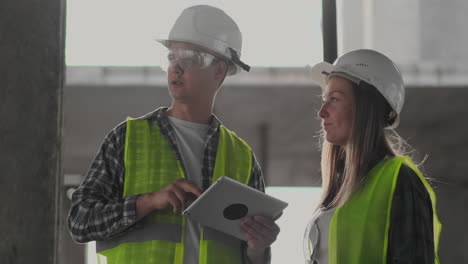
186, 59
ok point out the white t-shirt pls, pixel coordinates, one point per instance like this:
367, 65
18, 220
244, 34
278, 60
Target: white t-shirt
191, 139
318, 231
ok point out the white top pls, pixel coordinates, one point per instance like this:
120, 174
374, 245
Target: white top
317, 234
190, 139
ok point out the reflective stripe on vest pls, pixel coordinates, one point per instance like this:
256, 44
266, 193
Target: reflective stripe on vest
150, 164
152, 231
359, 228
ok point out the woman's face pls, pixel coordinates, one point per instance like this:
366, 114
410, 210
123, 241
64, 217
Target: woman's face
337, 110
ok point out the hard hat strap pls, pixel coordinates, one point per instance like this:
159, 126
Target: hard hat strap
237, 61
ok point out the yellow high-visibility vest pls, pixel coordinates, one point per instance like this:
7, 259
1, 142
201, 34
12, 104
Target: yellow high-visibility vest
150, 164
359, 229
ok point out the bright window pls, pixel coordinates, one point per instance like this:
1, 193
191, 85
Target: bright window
288, 247
302, 201
118, 32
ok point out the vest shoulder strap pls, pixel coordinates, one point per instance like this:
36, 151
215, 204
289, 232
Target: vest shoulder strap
233, 157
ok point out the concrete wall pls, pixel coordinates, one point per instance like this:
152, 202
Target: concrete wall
280, 123
31, 80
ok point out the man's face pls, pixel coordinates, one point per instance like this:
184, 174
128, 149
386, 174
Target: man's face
189, 80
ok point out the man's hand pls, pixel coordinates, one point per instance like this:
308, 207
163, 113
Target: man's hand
176, 195
260, 233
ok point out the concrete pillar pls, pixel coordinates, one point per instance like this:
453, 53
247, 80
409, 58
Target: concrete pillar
31, 80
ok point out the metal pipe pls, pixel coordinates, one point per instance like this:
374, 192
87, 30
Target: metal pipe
330, 50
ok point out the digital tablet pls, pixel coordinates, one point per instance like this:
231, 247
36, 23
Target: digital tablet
223, 205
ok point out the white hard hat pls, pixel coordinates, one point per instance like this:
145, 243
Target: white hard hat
369, 66
213, 29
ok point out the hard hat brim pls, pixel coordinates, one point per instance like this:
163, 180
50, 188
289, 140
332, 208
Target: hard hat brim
164, 42
320, 73
395, 123
167, 42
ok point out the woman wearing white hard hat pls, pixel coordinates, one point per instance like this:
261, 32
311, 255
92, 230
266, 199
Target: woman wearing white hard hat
376, 206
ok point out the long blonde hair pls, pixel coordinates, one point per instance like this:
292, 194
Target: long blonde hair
344, 168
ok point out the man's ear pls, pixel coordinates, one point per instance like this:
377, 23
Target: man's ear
220, 70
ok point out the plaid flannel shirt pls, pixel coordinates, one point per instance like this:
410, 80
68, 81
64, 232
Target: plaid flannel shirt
411, 234
100, 211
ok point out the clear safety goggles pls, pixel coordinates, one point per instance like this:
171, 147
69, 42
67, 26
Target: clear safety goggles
187, 59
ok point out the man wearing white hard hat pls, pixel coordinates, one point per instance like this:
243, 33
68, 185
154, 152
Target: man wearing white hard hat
376, 206
149, 168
